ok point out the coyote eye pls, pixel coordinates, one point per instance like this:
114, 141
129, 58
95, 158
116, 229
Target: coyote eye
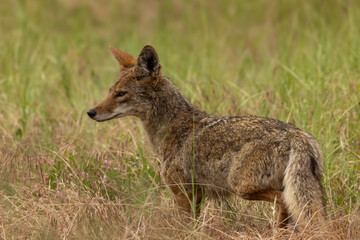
121, 94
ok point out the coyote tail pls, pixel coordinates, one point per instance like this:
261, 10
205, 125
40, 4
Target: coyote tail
303, 192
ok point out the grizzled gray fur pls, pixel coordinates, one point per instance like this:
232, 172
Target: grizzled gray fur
255, 158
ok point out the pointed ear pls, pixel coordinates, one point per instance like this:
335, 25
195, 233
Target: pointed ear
148, 64
125, 60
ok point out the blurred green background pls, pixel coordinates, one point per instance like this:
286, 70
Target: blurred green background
297, 61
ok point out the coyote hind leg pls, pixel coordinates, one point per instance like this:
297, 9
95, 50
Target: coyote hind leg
245, 177
272, 196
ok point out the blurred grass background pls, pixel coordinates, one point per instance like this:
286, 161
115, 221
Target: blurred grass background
64, 176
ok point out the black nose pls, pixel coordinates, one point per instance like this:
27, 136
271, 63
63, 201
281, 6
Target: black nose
91, 113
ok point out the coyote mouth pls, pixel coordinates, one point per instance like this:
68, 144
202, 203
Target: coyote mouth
106, 119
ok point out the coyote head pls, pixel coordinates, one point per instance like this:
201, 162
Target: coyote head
134, 91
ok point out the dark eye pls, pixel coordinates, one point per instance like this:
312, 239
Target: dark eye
121, 94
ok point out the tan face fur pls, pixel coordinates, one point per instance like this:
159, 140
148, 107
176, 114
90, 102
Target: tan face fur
132, 93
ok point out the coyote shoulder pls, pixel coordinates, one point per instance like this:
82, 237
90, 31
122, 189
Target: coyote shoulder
255, 158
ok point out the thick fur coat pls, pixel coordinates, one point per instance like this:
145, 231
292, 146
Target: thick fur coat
255, 158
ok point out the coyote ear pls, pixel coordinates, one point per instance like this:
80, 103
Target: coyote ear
148, 64
125, 60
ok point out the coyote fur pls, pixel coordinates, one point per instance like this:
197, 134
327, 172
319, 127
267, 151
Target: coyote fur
256, 158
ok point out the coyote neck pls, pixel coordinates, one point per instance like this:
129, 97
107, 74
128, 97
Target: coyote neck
170, 111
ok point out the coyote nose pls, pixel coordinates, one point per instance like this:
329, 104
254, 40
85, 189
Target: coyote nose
91, 113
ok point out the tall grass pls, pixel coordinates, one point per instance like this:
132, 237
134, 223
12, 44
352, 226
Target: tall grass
65, 176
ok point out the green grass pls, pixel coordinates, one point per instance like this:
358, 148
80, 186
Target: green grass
297, 61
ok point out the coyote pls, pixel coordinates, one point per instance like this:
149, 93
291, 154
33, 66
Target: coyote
256, 158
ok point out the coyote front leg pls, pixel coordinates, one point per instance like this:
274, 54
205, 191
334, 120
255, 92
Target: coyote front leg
184, 198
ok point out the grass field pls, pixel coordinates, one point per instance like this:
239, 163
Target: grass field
64, 176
